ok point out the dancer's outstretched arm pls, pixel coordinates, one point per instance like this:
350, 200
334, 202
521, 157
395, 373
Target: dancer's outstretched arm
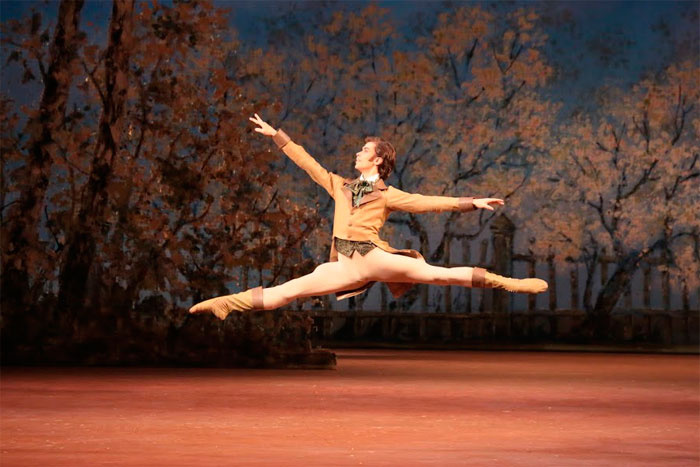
398, 200
300, 157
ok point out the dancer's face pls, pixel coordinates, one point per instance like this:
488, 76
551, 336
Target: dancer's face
366, 159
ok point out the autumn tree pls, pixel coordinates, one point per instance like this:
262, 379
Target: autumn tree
625, 181
159, 193
488, 125
54, 62
83, 235
460, 104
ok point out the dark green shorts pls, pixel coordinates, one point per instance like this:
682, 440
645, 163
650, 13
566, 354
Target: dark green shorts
346, 247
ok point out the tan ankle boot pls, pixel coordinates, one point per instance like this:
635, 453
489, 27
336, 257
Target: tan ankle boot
249, 300
481, 278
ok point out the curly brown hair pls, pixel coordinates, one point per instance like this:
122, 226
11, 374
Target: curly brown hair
386, 151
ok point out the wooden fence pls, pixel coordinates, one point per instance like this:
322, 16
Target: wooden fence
488, 315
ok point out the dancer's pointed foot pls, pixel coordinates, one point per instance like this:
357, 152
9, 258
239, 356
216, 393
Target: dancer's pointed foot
222, 306
485, 279
219, 306
532, 285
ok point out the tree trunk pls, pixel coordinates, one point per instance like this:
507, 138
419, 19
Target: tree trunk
611, 293
590, 263
83, 239
22, 232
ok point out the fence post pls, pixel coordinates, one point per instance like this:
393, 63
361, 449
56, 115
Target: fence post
647, 285
503, 230
666, 289
685, 296
628, 295
573, 275
531, 298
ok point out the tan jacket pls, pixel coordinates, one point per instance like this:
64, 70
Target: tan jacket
365, 221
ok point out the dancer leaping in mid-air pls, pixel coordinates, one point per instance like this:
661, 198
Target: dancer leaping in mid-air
358, 256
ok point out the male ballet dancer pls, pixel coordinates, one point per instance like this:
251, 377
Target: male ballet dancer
358, 256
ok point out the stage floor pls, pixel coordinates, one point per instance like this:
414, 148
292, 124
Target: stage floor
378, 407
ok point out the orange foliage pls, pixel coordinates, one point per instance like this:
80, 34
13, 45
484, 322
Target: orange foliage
195, 197
191, 194
626, 179
462, 109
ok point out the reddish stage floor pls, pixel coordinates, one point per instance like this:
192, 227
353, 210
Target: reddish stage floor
377, 408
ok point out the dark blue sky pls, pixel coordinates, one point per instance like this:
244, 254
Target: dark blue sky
592, 43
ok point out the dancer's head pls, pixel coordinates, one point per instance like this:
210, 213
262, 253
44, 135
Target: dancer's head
376, 153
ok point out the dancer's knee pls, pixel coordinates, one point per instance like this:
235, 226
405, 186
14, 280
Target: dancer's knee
434, 275
421, 272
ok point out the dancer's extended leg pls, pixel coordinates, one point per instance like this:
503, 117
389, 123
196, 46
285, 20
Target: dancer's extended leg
351, 273
387, 267
325, 279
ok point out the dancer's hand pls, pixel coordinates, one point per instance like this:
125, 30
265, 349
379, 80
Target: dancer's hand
485, 203
265, 129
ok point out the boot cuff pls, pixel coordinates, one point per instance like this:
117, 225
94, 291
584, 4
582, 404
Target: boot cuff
258, 298
479, 278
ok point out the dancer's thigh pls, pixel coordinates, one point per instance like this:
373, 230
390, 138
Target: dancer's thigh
326, 278
387, 267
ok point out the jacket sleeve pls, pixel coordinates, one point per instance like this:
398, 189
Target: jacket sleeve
398, 200
303, 159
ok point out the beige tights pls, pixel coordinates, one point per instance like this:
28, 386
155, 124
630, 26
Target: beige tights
351, 273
